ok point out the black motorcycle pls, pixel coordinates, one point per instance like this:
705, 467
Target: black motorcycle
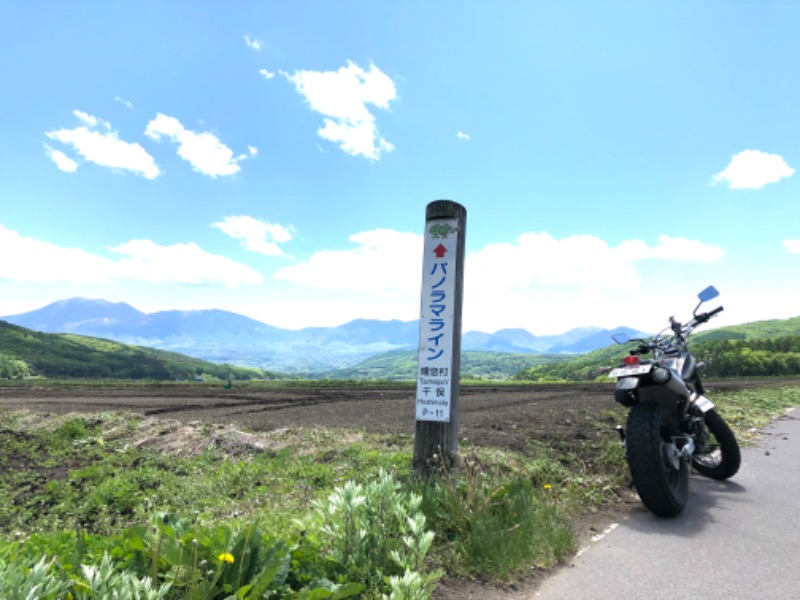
671, 423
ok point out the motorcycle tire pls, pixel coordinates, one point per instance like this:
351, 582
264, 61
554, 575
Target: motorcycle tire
661, 479
722, 457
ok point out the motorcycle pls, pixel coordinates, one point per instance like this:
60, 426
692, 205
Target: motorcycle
671, 423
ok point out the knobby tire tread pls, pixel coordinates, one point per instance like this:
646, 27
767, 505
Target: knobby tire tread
644, 456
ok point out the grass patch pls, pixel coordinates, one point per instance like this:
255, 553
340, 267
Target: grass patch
749, 410
79, 488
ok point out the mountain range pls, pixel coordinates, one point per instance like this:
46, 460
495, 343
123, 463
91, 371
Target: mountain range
222, 336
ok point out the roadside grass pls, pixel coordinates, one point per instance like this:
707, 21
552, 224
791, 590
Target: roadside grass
82, 489
748, 411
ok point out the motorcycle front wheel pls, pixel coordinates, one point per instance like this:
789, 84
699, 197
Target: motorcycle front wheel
719, 456
660, 475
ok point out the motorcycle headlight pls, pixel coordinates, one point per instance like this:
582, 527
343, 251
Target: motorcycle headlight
661, 375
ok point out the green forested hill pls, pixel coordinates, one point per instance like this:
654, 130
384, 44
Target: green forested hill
24, 352
760, 330
763, 348
402, 365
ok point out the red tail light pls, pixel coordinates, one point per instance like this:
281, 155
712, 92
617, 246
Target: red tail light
631, 360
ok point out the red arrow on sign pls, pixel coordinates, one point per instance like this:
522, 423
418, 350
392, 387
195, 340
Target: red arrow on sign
440, 251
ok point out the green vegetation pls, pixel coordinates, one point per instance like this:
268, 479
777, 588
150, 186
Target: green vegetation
86, 513
755, 349
758, 357
766, 348
581, 368
401, 365
775, 328
25, 353
318, 510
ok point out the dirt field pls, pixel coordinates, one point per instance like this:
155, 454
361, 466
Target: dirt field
502, 416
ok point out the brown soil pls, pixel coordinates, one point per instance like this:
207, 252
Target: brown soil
503, 416
562, 417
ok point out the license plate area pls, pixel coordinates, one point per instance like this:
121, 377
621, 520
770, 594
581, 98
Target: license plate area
631, 371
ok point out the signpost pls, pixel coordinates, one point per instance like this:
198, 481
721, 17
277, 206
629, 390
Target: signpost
439, 361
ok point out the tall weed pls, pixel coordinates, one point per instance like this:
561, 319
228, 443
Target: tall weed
498, 528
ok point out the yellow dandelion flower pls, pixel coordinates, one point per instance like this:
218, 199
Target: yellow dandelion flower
226, 557
100, 441
547, 486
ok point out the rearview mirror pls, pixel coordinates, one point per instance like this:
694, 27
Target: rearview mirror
621, 338
708, 294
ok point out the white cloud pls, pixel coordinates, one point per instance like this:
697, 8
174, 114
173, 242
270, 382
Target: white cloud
252, 150
753, 169
63, 162
204, 151
266, 74
105, 148
539, 282
180, 263
256, 236
124, 102
463, 136
385, 262
549, 285
670, 248
580, 259
342, 97
88, 119
792, 246
142, 260
253, 43
38, 261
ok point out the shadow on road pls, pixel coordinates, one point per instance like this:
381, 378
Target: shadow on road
707, 498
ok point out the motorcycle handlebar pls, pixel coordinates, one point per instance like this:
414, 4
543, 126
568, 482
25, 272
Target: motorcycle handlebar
704, 317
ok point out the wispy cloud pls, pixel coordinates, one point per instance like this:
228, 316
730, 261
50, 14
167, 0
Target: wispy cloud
96, 142
256, 236
253, 43
753, 169
464, 136
88, 119
266, 74
342, 97
62, 161
139, 260
792, 246
126, 103
204, 151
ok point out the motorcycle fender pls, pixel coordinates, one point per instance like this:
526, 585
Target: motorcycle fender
625, 392
701, 402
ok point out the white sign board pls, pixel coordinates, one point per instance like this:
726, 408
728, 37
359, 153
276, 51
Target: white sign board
436, 322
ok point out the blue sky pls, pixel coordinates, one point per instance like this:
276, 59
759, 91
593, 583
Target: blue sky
275, 158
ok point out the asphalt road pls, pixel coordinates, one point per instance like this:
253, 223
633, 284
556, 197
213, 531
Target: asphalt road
735, 539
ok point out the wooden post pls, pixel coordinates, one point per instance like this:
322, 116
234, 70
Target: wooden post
439, 361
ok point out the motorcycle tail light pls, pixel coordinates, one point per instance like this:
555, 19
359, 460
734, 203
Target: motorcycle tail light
631, 360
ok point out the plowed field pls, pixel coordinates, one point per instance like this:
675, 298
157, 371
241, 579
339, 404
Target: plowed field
503, 416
